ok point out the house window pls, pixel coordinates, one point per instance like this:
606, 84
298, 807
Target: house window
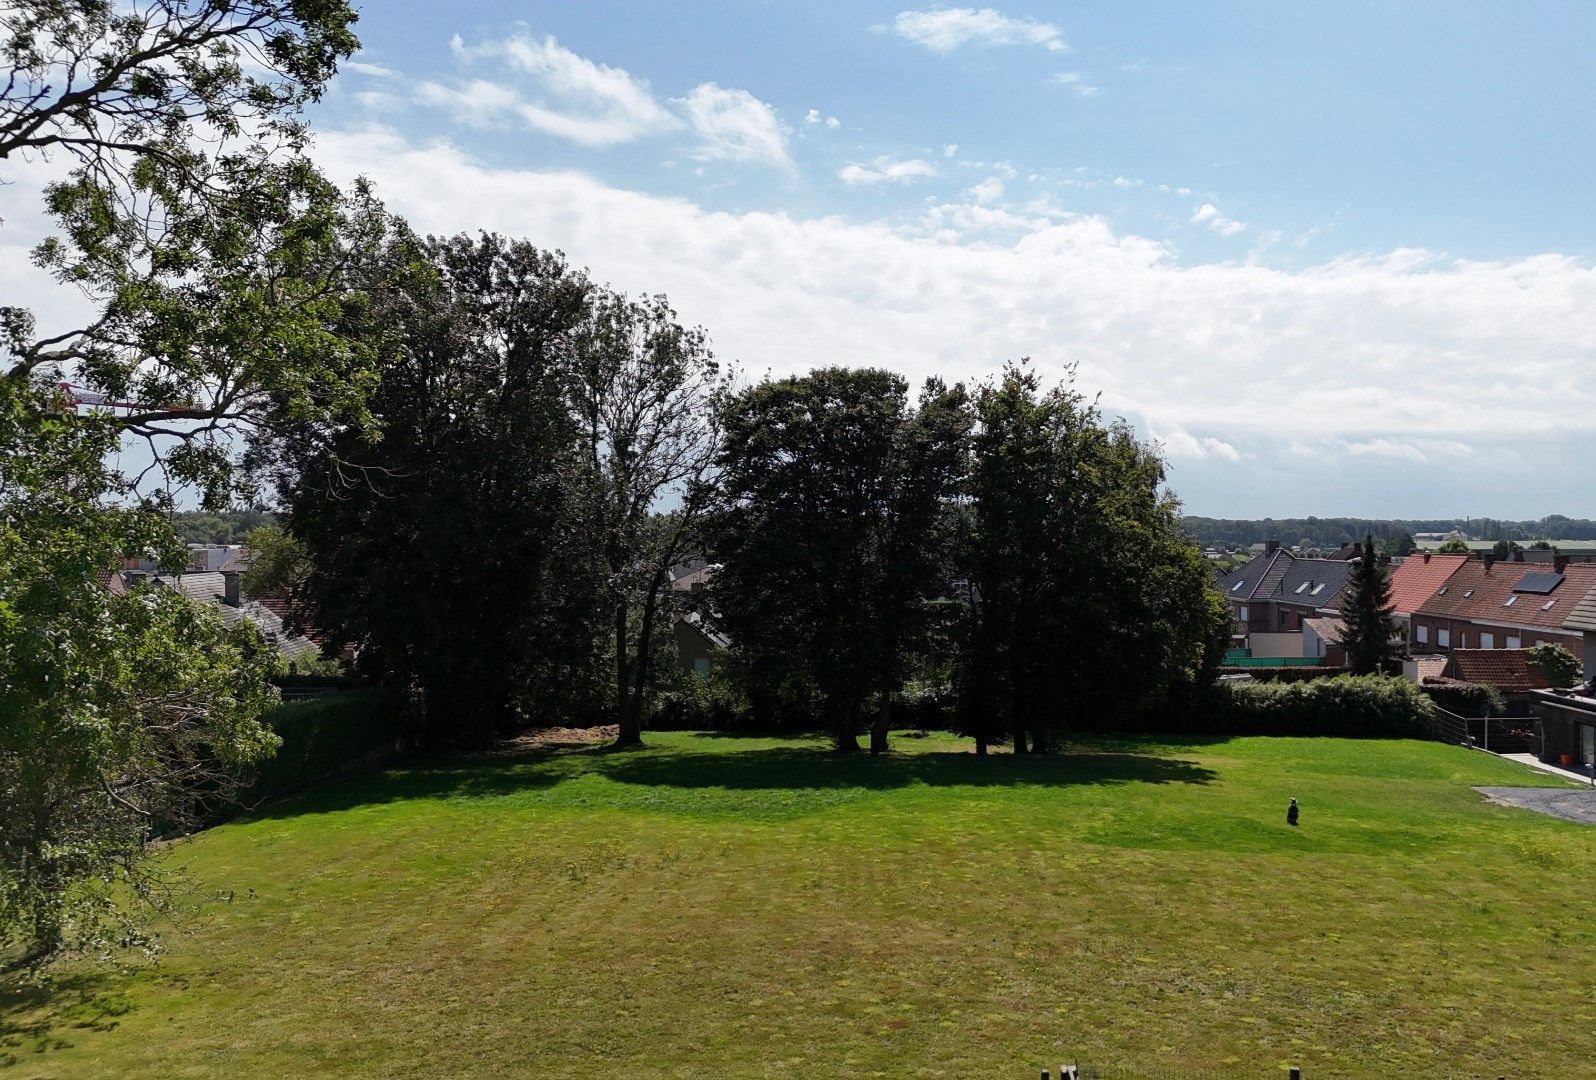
701, 667
1285, 618
1423, 634
1487, 641
1244, 613
1514, 642
1511, 600
1443, 637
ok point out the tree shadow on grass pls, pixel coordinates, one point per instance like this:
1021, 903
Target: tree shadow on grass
772, 768
784, 768
36, 1018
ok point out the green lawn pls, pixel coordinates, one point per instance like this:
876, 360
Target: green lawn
729, 907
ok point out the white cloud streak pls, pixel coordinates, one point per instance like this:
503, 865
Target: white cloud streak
1208, 214
944, 29
1076, 83
736, 126
886, 170
549, 88
1401, 346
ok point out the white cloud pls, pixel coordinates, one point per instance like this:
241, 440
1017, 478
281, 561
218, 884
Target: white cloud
989, 190
885, 170
569, 96
813, 116
1405, 347
735, 125
945, 29
376, 71
1125, 182
950, 149
1208, 214
1180, 444
1075, 82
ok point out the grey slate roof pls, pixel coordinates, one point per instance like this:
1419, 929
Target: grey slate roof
1314, 581
1280, 575
1583, 617
1242, 582
208, 588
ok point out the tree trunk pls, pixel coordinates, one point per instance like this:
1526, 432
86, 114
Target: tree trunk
629, 726
842, 728
645, 645
1017, 722
878, 730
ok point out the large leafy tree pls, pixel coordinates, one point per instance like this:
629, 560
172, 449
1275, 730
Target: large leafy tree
832, 487
1370, 635
211, 255
1085, 597
451, 549
643, 393
119, 712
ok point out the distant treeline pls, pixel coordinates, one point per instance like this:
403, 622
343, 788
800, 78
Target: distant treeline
1333, 532
227, 527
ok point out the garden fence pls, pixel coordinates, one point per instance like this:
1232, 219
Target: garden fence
1498, 734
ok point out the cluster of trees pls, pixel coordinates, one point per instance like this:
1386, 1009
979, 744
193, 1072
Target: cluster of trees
485, 466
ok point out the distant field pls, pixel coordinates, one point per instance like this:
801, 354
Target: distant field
730, 907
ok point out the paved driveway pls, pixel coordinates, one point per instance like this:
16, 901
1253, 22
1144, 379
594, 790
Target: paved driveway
1566, 803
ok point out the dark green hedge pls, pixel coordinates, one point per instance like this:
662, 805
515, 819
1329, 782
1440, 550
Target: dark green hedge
1347, 706
1466, 699
1285, 674
323, 735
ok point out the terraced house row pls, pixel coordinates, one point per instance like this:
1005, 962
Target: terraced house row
1285, 606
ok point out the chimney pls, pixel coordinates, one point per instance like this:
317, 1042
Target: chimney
1487, 558
230, 588
1271, 546
1426, 557
1559, 563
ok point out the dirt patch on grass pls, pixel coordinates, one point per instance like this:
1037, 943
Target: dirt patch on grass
556, 737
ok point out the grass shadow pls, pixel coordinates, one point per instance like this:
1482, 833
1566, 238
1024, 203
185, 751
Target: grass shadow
36, 1017
786, 768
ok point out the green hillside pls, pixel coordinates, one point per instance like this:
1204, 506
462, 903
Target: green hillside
729, 907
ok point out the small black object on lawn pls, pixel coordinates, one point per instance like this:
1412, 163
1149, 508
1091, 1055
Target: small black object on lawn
1291, 813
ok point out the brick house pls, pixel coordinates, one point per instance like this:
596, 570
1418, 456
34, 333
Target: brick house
1487, 604
1415, 580
1275, 592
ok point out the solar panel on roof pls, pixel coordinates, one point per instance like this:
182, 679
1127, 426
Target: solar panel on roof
1538, 583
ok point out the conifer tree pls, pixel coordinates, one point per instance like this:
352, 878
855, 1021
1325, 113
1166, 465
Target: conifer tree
1370, 636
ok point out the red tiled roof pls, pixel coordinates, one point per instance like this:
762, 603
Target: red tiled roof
1505, 669
1479, 594
1416, 580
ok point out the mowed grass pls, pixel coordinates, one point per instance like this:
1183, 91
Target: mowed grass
730, 907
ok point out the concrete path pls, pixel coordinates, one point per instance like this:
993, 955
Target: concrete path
1536, 763
1565, 803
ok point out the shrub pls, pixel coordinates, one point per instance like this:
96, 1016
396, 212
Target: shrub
695, 703
1347, 706
1560, 666
1465, 699
1285, 674
323, 735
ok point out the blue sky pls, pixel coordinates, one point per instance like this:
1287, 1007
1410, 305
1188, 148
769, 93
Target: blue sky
1336, 258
